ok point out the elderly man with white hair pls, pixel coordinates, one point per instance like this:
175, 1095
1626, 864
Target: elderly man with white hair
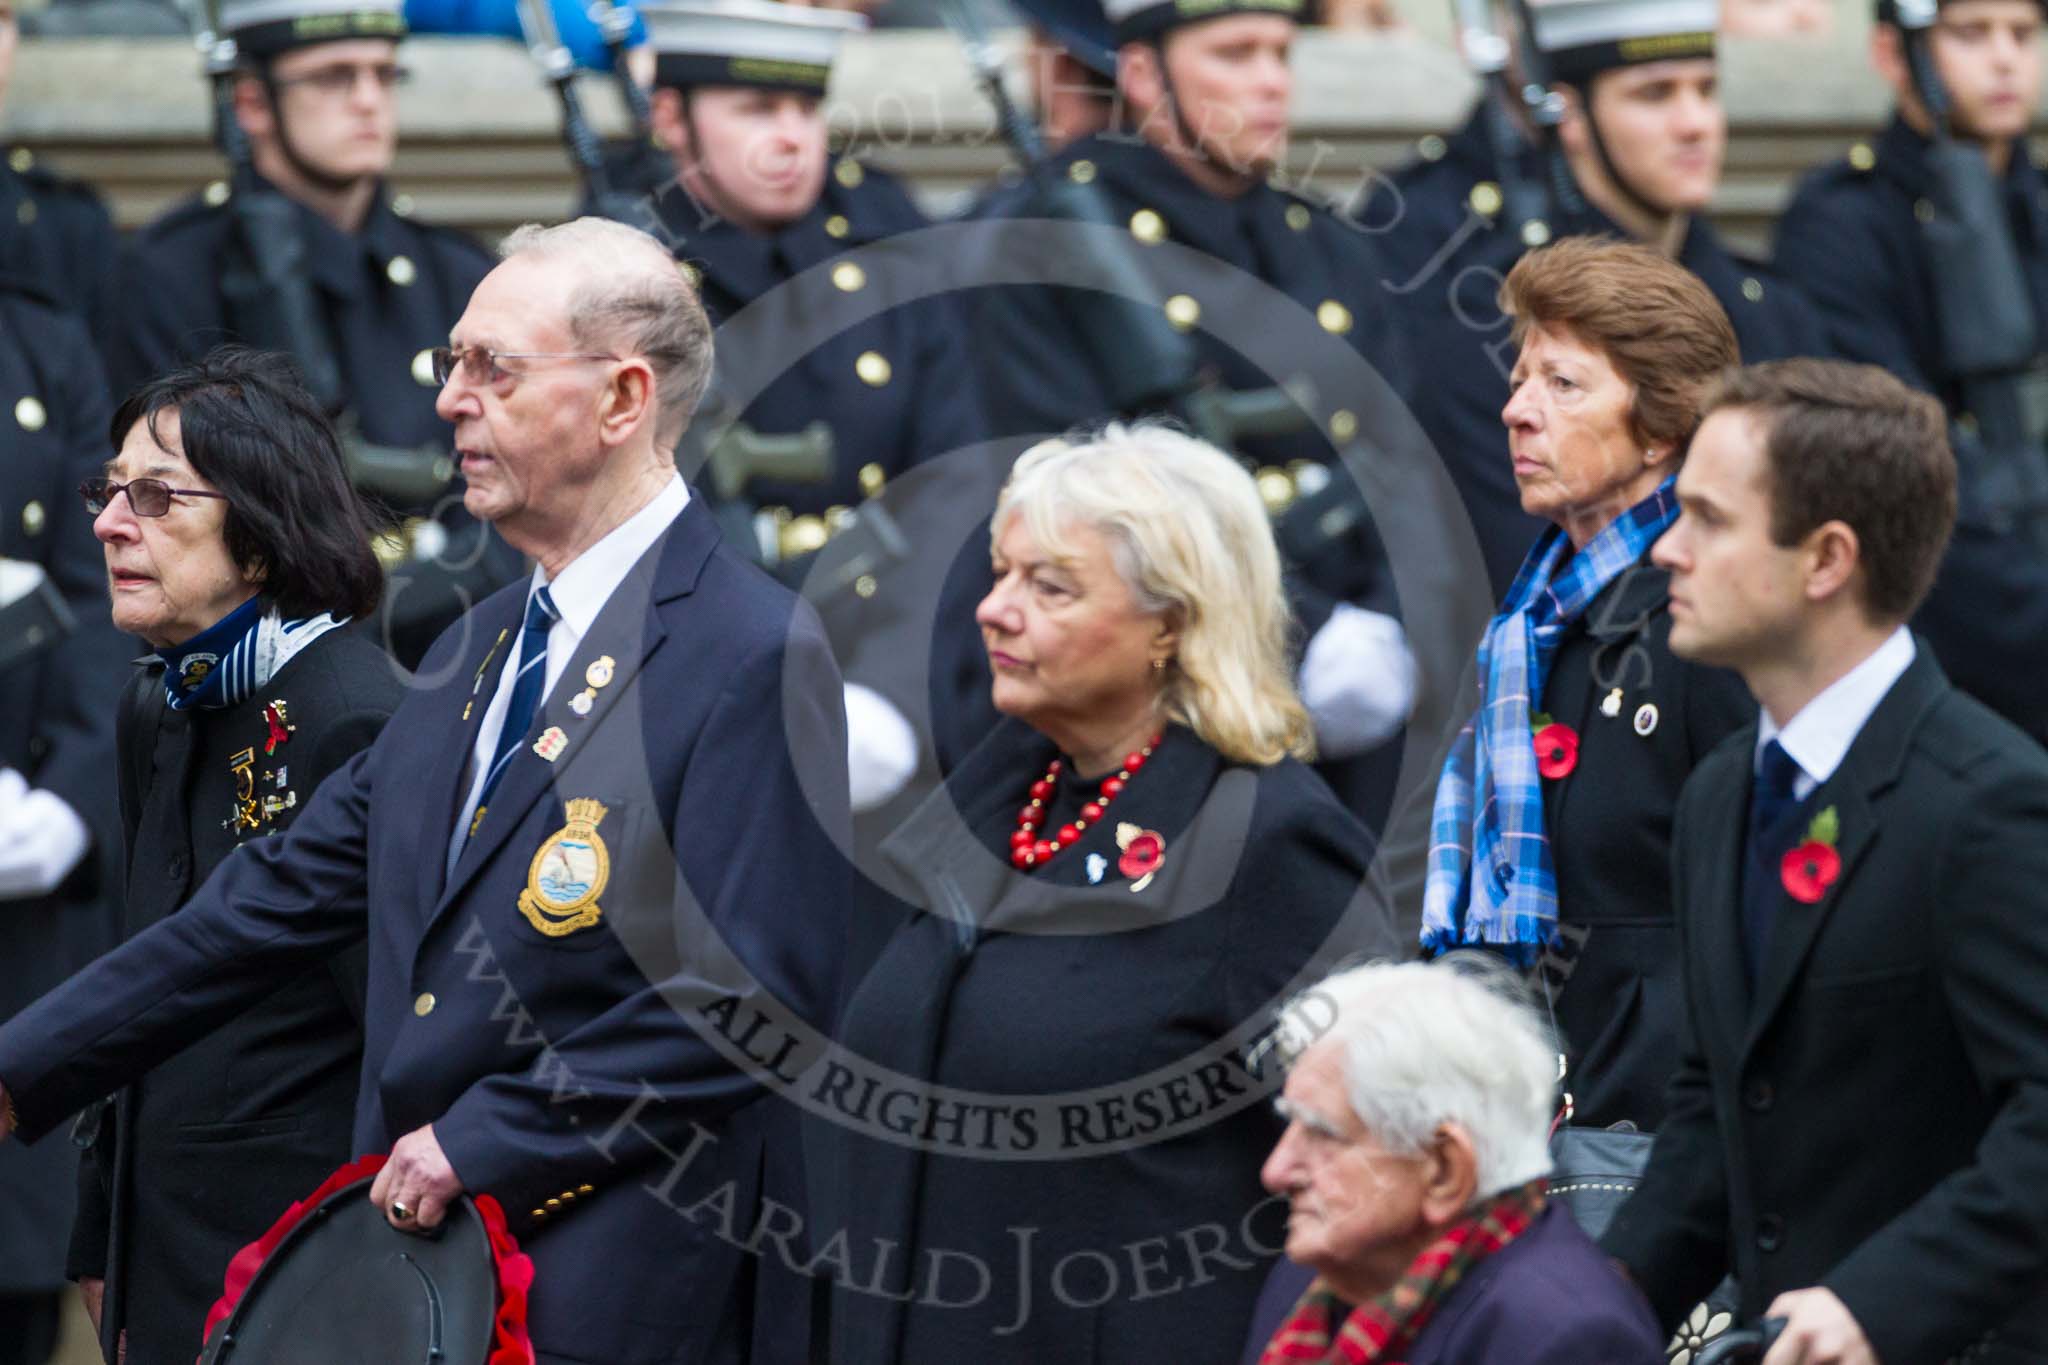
598, 832
1418, 1118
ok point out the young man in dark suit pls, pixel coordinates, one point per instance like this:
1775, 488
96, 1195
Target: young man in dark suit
1858, 1128
595, 845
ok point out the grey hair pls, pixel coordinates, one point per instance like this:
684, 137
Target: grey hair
1190, 537
632, 294
1429, 1043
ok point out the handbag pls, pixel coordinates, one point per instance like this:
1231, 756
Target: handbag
1593, 1171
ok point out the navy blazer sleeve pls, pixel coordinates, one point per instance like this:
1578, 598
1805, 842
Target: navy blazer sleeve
275, 906
758, 849
1973, 1249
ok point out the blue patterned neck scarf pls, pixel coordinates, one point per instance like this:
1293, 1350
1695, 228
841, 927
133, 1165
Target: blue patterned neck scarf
1489, 800
224, 664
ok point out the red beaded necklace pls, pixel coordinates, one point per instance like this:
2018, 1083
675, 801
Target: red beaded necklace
1027, 850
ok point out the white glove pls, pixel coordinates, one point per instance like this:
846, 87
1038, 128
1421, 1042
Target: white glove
881, 748
1357, 680
41, 838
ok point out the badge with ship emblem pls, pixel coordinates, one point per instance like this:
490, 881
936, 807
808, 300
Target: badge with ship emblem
568, 874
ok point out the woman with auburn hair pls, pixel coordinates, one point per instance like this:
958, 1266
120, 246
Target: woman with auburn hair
1551, 840
1107, 899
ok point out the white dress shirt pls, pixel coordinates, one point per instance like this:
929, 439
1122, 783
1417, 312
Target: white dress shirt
1819, 736
580, 591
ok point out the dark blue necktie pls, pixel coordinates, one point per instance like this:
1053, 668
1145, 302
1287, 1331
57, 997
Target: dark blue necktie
1772, 804
526, 688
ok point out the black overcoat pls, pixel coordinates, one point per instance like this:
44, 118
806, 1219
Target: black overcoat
1873, 1119
199, 1158
1094, 1027
1614, 974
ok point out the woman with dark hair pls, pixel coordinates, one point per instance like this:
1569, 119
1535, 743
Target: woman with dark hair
237, 548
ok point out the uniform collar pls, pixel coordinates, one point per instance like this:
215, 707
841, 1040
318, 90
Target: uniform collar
343, 263
1902, 159
746, 264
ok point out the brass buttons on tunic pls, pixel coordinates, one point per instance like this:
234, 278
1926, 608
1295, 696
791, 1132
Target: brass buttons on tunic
1753, 289
1485, 198
1343, 424
1183, 312
423, 369
1432, 148
402, 205
21, 158
872, 478
1535, 233
849, 173
1334, 317
215, 194
873, 368
31, 413
849, 277
401, 271
837, 226
1861, 157
1148, 227
1298, 217
424, 1005
33, 518
1081, 172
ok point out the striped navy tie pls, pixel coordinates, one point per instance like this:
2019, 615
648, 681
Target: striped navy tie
526, 687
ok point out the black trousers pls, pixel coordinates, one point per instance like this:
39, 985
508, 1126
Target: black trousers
28, 1328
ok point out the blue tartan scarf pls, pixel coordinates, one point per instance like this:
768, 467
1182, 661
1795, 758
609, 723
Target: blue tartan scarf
224, 664
1489, 799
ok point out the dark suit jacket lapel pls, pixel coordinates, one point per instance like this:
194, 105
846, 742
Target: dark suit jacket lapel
1714, 865
472, 682
1869, 768
628, 629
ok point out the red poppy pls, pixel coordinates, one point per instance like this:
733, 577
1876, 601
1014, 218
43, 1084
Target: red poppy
1142, 856
1557, 750
1809, 870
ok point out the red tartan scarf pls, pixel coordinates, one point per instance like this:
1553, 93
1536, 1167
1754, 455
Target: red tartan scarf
1379, 1331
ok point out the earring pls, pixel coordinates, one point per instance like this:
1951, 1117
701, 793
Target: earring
1159, 665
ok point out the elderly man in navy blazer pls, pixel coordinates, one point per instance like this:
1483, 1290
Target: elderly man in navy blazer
595, 853
1858, 1128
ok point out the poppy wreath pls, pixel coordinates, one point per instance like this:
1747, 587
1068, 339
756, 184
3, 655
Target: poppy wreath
510, 1344
1810, 869
1557, 746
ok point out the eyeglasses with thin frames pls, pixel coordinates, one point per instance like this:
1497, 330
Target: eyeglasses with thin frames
480, 365
146, 497
338, 82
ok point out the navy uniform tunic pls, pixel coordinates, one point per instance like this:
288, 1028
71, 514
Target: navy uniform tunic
55, 231
57, 726
1448, 250
388, 293
1039, 378
893, 389
1853, 236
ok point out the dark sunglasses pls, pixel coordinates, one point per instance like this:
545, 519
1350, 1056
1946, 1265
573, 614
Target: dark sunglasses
146, 497
479, 364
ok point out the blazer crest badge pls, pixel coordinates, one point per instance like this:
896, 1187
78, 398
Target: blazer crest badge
568, 874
